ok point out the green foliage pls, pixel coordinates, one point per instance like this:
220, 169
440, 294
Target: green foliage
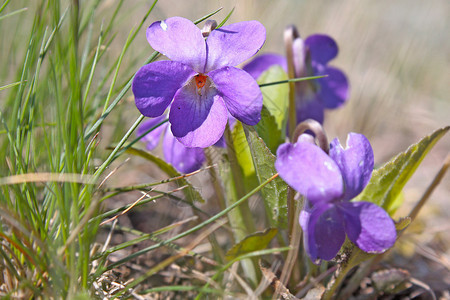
254, 242
243, 155
275, 97
63, 75
275, 193
191, 193
388, 181
268, 131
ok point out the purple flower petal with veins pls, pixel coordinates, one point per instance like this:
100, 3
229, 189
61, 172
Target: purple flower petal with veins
200, 83
310, 171
311, 57
329, 182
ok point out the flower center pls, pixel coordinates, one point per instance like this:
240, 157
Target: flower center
200, 80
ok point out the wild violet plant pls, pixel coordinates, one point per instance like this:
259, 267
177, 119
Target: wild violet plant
48, 231
201, 78
329, 181
310, 58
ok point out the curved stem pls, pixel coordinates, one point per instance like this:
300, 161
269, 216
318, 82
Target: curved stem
294, 244
209, 26
318, 131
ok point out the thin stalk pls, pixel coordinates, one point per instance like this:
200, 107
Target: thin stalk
294, 248
145, 186
289, 35
112, 156
116, 73
437, 179
329, 292
140, 137
4, 5
219, 192
193, 229
298, 79
240, 258
291, 206
170, 260
93, 65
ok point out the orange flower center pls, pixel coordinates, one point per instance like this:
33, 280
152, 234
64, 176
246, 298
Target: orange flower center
200, 80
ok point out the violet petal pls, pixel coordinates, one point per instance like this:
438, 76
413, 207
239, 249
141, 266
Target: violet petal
368, 226
309, 109
198, 120
152, 138
155, 85
185, 160
310, 171
263, 62
221, 143
240, 92
323, 48
334, 89
180, 40
233, 44
355, 162
323, 231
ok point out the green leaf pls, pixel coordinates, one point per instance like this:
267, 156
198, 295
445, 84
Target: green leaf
387, 182
269, 132
275, 97
402, 224
190, 192
243, 155
10, 85
274, 193
254, 242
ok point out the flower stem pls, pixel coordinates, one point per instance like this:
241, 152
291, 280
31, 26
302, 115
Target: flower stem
187, 232
240, 219
437, 179
214, 178
291, 210
295, 234
289, 35
318, 131
337, 282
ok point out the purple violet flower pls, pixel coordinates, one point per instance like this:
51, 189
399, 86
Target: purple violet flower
329, 182
311, 57
185, 160
200, 81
